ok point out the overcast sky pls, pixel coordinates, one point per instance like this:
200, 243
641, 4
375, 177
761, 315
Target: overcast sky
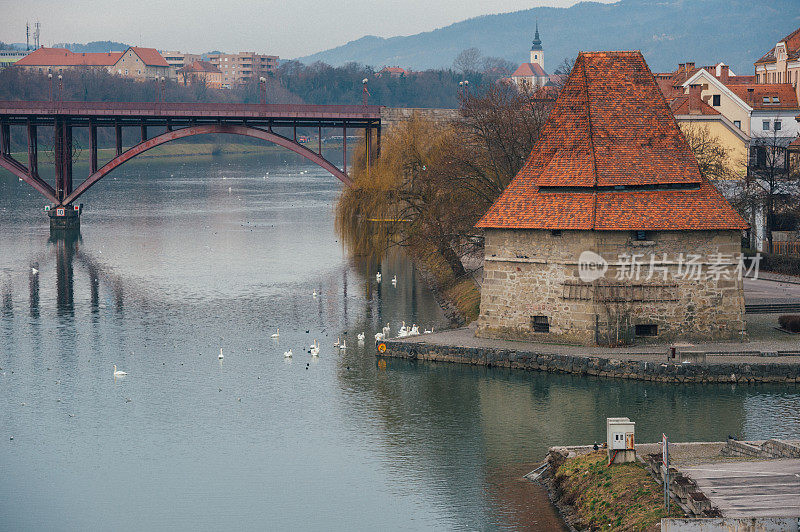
288, 28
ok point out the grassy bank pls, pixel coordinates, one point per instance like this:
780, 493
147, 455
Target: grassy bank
460, 298
620, 497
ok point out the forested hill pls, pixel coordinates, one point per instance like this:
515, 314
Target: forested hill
667, 31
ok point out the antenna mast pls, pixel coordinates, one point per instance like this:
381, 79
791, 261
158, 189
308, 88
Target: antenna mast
27, 36
36, 31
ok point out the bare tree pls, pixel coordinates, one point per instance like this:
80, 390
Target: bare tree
468, 60
712, 156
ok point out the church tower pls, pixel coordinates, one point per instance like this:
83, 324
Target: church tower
537, 54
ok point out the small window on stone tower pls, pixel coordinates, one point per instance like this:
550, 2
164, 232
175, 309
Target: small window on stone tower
640, 236
647, 329
540, 324
555, 232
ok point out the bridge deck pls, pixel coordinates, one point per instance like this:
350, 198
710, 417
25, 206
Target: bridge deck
177, 113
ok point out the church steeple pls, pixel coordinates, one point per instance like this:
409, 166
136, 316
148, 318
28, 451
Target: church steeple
537, 42
537, 54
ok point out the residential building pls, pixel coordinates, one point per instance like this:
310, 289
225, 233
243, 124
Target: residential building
178, 60
201, 72
782, 63
696, 117
244, 66
9, 57
392, 72
589, 242
135, 62
532, 75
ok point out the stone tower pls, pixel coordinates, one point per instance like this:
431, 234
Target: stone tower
537, 54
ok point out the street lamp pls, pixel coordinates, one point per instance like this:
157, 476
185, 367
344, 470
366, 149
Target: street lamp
163, 88
60, 88
365, 93
262, 81
50, 79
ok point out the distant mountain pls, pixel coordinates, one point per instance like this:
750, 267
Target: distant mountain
94, 46
666, 31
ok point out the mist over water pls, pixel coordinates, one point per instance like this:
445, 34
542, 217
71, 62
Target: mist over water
178, 258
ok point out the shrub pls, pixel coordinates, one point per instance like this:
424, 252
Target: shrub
790, 322
786, 264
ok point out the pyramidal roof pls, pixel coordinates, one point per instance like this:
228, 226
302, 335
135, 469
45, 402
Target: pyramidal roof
611, 157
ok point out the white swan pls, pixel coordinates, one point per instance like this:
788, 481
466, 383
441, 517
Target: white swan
337, 342
315, 349
343, 345
277, 334
386, 331
314, 293
360, 336
221, 356
414, 330
118, 373
394, 280
378, 336
287, 354
429, 331
378, 276
403, 331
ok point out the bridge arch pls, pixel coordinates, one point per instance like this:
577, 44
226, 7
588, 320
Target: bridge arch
205, 129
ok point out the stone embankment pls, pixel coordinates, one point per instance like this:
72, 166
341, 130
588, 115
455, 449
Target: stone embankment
720, 367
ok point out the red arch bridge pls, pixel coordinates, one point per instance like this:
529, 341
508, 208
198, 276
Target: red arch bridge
159, 123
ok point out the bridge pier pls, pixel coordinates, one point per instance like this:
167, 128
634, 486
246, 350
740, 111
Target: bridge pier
65, 218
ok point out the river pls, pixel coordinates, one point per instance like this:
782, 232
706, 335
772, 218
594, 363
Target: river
180, 257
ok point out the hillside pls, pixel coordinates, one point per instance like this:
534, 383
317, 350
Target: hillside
667, 32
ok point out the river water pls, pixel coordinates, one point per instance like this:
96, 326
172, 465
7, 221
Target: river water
178, 258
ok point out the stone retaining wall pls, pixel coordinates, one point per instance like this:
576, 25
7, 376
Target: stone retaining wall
768, 449
597, 366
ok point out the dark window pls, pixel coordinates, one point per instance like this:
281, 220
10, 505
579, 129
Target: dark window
556, 232
765, 125
540, 324
737, 123
647, 329
777, 125
761, 156
716, 100
640, 235
766, 99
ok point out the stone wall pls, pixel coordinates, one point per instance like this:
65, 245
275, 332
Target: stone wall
392, 116
767, 449
534, 273
598, 366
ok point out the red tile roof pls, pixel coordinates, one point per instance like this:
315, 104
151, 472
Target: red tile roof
149, 56
201, 66
792, 48
64, 57
784, 92
680, 106
529, 70
611, 157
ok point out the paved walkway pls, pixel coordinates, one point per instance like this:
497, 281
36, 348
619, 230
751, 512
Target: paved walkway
717, 353
769, 488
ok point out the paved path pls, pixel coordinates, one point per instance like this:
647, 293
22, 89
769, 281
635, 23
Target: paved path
718, 353
746, 488
769, 291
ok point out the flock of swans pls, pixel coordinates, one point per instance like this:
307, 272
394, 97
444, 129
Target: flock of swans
340, 344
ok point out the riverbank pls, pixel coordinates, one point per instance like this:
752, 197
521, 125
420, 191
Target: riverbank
459, 298
591, 495
748, 362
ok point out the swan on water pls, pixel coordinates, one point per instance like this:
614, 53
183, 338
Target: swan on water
315, 349
379, 336
221, 356
287, 354
338, 340
314, 293
429, 331
394, 280
118, 373
277, 334
378, 276
386, 331
360, 336
414, 330
403, 331
343, 345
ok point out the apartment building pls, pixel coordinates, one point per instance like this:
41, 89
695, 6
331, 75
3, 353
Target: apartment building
178, 60
243, 67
